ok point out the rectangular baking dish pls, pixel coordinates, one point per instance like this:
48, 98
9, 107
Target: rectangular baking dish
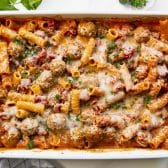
93, 153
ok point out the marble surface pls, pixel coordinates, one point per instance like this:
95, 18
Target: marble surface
99, 6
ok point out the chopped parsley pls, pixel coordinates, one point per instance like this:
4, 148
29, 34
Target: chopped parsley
111, 47
133, 77
69, 116
29, 52
57, 97
24, 74
68, 60
86, 104
119, 105
138, 120
100, 35
117, 64
78, 117
147, 99
36, 75
18, 41
138, 48
75, 78
30, 144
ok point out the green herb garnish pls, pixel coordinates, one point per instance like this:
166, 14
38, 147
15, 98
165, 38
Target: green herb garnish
78, 117
147, 99
138, 48
10, 4
134, 3
57, 97
29, 52
75, 78
68, 60
117, 64
118, 105
18, 41
24, 74
111, 47
30, 144
138, 120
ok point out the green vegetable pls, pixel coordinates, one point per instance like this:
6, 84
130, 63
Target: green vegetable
7, 5
138, 3
28, 4
139, 48
68, 60
134, 3
75, 78
30, 144
147, 99
124, 1
36, 75
138, 120
24, 74
117, 64
111, 47
57, 96
119, 105
31, 4
29, 52
18, 41
78, 117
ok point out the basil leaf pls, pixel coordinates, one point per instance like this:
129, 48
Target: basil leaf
12, 1
7, 5
31, 4
34, 3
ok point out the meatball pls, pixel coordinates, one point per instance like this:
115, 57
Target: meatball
44, 80
15, 49
77, 137
10, 138
57, 121
88, 81
87, 29
57, 67
93, 135
74, 50
141, 34
29, 126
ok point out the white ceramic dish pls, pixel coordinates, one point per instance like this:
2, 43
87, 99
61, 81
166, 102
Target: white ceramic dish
84, 154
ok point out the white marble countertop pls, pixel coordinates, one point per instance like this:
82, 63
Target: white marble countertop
98, 6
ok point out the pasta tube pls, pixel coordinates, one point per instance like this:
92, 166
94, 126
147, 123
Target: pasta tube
7, 33
32, 38
34, 107
158, 103
112, 34
22, 97
159, 138
88, 51
75, 101
4, 59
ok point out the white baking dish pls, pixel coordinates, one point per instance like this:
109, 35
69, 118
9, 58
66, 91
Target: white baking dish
85, 154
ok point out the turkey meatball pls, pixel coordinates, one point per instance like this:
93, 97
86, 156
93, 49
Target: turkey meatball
57, 67
29, 126
56, 121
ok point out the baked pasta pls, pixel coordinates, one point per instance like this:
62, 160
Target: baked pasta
83, 84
